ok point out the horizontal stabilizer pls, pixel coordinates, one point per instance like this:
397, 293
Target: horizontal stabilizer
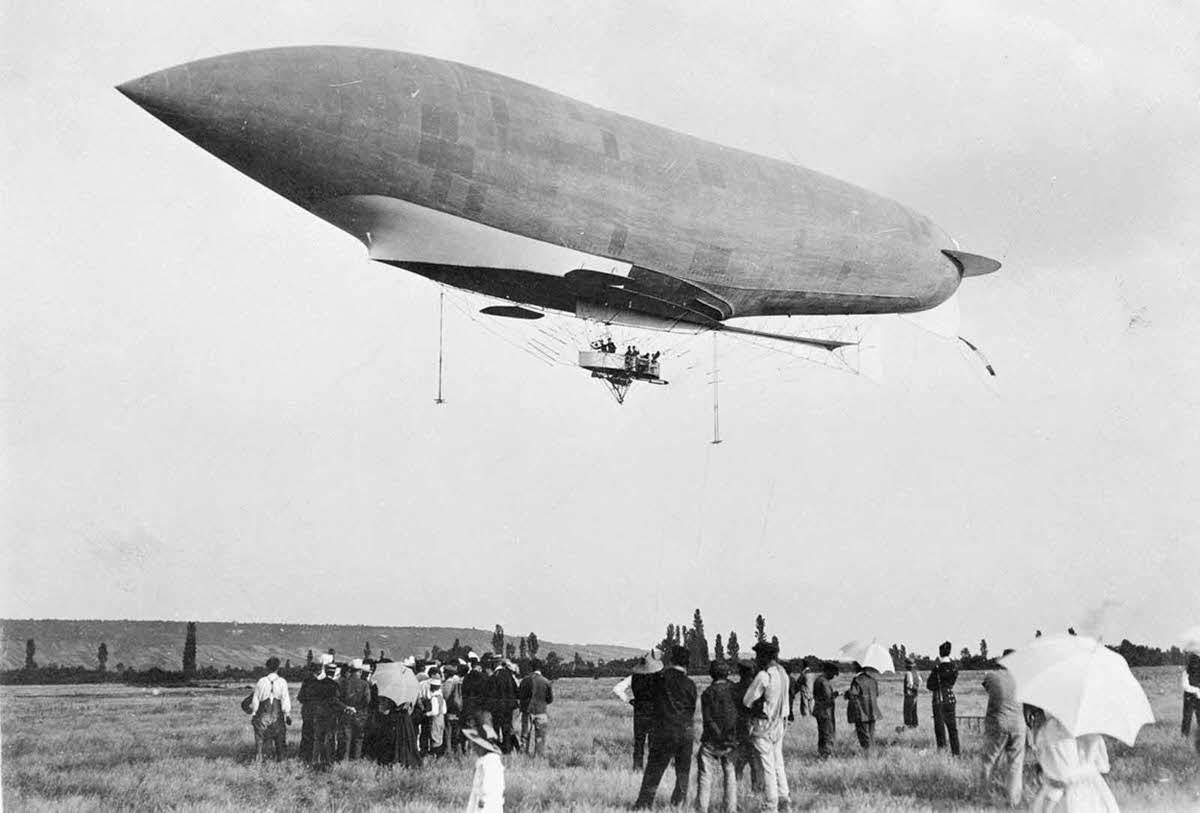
511, 312
972, 265
825, 344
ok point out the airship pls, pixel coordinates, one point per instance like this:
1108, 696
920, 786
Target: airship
548, 204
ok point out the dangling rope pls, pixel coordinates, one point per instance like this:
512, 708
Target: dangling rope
441, 322
716, 408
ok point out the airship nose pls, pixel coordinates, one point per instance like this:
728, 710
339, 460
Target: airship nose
267, 113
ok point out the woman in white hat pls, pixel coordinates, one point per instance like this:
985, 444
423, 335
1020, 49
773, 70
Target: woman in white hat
487, 788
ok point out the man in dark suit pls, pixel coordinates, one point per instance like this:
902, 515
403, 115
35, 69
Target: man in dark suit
945, 705
502, 701
862, 705
534, 695
823, 707
673, 731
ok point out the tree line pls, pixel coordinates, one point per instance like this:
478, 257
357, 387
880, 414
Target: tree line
521, 650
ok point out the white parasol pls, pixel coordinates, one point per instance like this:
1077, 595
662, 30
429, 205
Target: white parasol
1083, 683
395, 681
870, 654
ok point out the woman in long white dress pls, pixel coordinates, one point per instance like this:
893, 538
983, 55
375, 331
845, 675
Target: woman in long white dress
1072, 771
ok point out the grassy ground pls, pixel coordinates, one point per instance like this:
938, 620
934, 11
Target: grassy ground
107, 748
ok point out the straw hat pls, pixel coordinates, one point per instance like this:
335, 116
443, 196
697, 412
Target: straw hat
648, 665
484, 736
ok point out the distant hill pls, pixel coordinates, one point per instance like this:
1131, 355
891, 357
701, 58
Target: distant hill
142, 644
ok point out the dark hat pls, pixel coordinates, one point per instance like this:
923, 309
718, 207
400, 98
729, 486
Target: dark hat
680, 655
535, 664
767, 649
272, 663
944, 649
830, 668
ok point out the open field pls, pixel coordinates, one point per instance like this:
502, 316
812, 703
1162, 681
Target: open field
84, 748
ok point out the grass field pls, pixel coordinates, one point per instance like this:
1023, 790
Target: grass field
110, 748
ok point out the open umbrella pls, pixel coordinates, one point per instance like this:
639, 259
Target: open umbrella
870, 654
395, 681
1083, 683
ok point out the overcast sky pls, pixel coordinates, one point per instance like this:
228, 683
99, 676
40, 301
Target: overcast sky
215, 407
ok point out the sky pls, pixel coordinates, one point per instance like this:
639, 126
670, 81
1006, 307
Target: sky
215, 407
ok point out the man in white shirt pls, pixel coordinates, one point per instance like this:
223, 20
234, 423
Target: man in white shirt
270, 712
1190, 683
767, 698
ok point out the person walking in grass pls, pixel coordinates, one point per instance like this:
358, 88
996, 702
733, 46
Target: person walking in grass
474, 694
535, 695
672, 732
767, 696
1002, 759
945, 705
823, 709
912, 687
862, 706
270, 712
487, 786
718, 740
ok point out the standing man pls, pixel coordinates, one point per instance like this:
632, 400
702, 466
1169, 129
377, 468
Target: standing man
912, 687
308, 706
672, 731
534, 695
356, 693
271, 712
452, 692
502, 692
862, 706
1190, 683
718, 739
1004, 735
325, 699
823, 709
770, 688
638, 691
474, 694
945, 705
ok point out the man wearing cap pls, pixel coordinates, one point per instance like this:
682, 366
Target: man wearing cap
823, 709
638, 691
270, 710
325, 700
720, 712
912, 687
945, 705
1004, 735
862, 705
535, 694
770, 686
672, 733
356, 693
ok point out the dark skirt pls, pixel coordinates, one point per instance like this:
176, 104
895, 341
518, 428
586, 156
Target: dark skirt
392, 738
